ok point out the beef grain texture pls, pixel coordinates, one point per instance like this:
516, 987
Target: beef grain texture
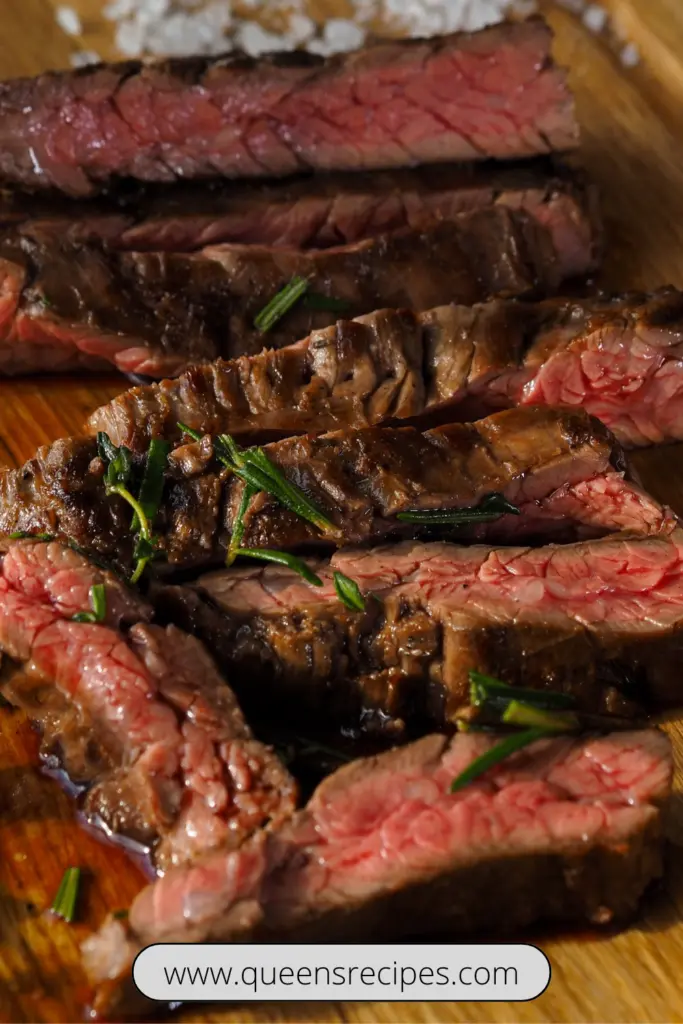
141, 718
568, 618
494, 93
621, 359
564, 471
66, 306
567, 830
320, 211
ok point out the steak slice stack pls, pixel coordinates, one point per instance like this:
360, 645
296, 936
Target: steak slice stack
566, 830
140, 717
564, 472
621, 359
600, 620
67, 306
494, 93
321, 211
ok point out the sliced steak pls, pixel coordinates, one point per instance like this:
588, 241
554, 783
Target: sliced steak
142, 718
494, 93
600, 620
64, 306
566, 830
621, 359
564, 472
321, 211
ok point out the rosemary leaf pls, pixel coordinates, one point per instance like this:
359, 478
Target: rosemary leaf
152, 486
98, 603
528, 716
490, 508
194, 434
280, 304
507, 746
348, 592
239, 524
24, 535
282, 558
64, 903
497, 694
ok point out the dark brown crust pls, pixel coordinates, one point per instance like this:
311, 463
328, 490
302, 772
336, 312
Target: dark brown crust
359, 479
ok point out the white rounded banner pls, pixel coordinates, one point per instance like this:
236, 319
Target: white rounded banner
269, 972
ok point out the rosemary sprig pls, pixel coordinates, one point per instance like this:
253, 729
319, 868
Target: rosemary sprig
25, 535
282, 558
98, 603
280, 304
497, 695
116, 481
519, 713
64, 903
507, 746
349, 592
490, 508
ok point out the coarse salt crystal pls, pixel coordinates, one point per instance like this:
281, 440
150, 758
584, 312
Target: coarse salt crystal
630, 55
342, 35
84, 58
69, 21
595, 18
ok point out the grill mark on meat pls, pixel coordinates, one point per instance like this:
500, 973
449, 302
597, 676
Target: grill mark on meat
566, 830
563, 470
79, 133
579, 618
621, 359
142, 719
181, 309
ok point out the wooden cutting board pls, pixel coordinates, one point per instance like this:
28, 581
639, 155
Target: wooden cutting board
633, 147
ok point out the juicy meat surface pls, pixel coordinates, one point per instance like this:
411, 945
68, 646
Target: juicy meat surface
565, 830
564, 471
601, 620
321, 211
494, 93
142, 718
620, 359
64, 306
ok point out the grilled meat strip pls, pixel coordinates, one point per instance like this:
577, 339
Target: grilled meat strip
494, 93
601, 620
569, 829
67, 306
563, 470
321, 211
621, 359
140, 717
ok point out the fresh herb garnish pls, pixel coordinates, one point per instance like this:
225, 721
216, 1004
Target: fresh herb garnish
194, 434
528, 716
507, 746
238, 526
497, 695
282, 558
326, 303
152, 486
116, 481
490, 508
280, 304
98, 603
25, 535
348, 592
64, 904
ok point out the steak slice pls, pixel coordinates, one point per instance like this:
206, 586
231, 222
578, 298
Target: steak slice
564, 472
64, 306
494, 93
566, 830
321, 211
142, 718
600, 620
621, 359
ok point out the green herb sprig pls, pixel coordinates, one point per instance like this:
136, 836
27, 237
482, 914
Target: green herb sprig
25, 535
490, 508
510, 745
282, 558
349, 592
64, 903
280, 304
98, 603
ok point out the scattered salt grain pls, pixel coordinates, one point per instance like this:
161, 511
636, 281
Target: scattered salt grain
84, 58
69, 21
255, 40
630, 55
595, 18
343, 35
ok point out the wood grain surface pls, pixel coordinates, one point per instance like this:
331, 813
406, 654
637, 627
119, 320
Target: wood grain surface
633, 147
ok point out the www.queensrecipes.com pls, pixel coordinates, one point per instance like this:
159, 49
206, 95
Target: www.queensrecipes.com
396, 976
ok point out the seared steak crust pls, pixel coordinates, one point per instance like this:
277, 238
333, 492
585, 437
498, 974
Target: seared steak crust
621, 359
